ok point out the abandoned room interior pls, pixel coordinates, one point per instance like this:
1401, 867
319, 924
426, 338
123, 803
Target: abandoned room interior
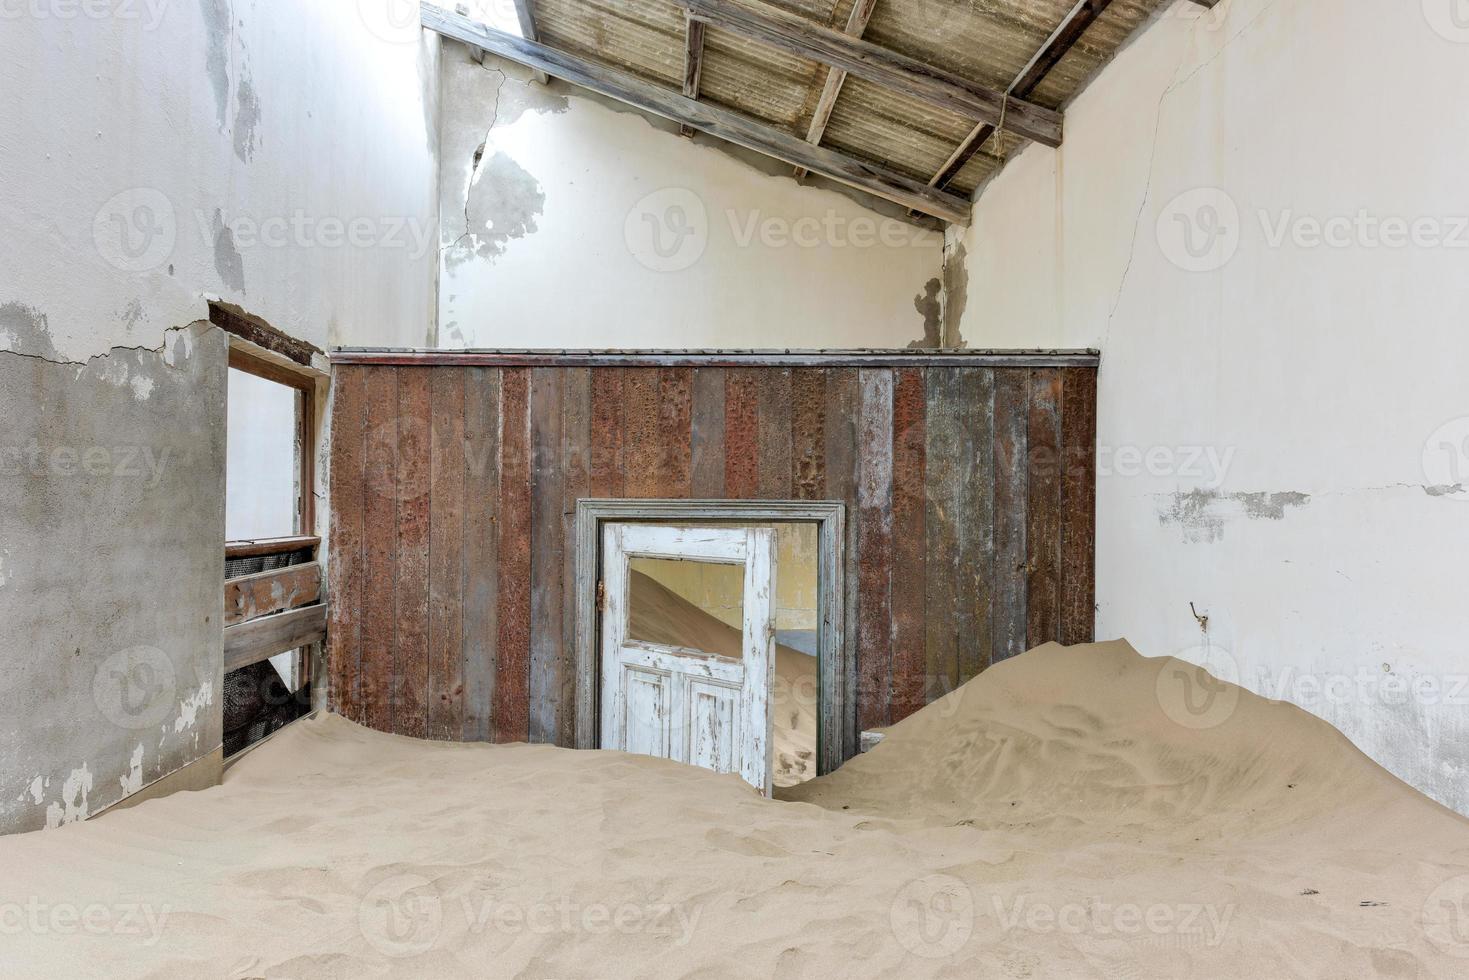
621, 488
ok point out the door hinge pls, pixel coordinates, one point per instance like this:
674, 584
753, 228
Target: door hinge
601, 595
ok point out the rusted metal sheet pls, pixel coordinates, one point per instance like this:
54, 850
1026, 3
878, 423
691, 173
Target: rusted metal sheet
975, 541
347, 582
511, 713
942, 516
380, 550
774, 435
481, 547
576, 417
1012, 427
605, 477
1043, 526
547, 553
1078, 547
808, 434
675, 423
909, 549
252, 596
643, 450
446, 566
742, 433
874, 548
411, 651
707, 435
408, 357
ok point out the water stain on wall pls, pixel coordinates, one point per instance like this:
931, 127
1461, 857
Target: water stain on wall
23, 329
930, 306
227, 259
1203, 514
504, 201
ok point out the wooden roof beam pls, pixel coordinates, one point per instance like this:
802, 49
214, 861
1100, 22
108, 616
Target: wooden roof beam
693, 64
1082, 16
526, 14
836, 78
731, 126
894, 71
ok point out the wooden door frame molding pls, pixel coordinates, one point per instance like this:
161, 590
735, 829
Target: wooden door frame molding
836, 666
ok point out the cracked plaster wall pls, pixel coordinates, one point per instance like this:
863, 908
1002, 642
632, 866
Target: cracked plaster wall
570, 221
281, 156
1284, 425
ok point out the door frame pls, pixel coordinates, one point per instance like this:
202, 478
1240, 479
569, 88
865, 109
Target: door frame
836, 724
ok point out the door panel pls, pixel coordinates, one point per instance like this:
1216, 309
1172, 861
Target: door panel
663, 694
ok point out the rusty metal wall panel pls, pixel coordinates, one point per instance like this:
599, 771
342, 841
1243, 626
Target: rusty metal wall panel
773, 435
346, 566
910, 558
741, 433
608, 405
410, 651
808, 433
642, 446
511, 713
706, 479
481, 548
675, 422
1078, 547
446, 567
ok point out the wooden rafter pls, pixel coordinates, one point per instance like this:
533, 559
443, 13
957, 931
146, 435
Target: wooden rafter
526, 14
731, 126
836, 77
693, 64
1082, 16
881, 66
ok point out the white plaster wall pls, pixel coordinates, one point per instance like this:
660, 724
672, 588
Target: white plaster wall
278, 155
1326, 543
586, 226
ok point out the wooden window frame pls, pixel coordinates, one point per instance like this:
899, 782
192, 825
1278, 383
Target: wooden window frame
836, 666
305, 386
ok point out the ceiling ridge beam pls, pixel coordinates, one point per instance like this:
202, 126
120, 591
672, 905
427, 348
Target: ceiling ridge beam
733, 127
881, 66
1061, 41
836, 78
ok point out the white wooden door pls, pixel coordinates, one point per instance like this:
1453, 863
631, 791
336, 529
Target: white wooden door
681, 703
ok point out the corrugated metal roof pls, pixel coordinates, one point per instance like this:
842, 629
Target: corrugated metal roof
989, 42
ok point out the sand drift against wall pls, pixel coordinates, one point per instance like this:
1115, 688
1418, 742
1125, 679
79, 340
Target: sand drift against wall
1074, 812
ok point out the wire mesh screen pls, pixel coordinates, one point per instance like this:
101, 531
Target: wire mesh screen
256, 703
236, 567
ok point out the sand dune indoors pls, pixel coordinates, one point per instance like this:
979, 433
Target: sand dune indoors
1071, 813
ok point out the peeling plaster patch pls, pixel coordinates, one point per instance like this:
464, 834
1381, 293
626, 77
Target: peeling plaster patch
132, 315
1202, 514
523, 97
142, 387
217, 29
178, 346
189, 707
227, 259
4, 575
956, 293
72, 808
504, 200
247, 118
1445, 490
38, 790
133, 780
24, 330
931, 308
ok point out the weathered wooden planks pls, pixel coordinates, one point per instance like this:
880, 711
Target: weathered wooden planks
481, 548
411, 600
252, 596
447, 503
511, 711
249, 643
962, 546
346, 580
910, 552
380, 550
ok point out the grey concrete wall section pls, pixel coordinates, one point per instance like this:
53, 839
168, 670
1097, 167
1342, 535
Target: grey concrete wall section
111, 573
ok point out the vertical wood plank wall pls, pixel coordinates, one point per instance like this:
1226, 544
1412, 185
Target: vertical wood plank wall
970, 496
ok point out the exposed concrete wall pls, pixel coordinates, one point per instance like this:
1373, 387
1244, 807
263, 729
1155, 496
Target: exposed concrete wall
281, 156
569, 221
1260, 215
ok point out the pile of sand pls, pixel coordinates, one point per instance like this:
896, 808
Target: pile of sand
1072, 813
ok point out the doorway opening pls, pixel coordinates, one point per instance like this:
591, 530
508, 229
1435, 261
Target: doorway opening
711, 633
